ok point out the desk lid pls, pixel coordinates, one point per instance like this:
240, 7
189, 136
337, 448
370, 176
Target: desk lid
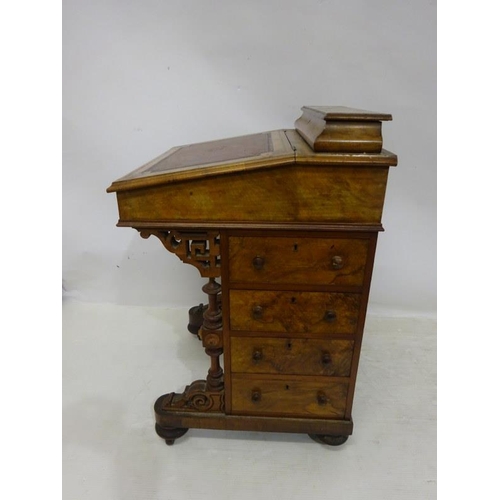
344, 113
348, 135
211, 158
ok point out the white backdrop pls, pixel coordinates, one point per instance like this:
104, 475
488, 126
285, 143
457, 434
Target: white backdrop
143, 76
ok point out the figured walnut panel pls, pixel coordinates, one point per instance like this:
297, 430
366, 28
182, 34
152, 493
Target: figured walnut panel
315, 261
212, 158
293, 356
294, 312
287, 194
289, 397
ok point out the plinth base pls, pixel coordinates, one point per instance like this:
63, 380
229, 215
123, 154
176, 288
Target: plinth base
168, 419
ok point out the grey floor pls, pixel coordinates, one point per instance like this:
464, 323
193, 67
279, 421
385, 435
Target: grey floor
117, 360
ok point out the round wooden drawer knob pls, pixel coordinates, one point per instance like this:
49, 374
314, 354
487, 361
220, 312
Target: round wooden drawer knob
326, 358
258, 263
257, 355
257, 312
337, 262
330, 316
256, 395
321, 398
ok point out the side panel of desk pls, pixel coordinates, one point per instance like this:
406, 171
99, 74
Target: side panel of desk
292, 193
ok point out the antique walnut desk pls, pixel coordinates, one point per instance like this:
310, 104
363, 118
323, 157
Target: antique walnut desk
284, 225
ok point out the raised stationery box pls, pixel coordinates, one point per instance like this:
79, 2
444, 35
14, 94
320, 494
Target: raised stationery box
284, 225
336, 129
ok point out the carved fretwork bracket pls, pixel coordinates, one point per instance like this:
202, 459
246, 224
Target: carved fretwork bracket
200, 249
196, 397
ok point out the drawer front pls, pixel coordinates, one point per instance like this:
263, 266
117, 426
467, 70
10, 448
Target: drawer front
291, 356
316, 261
294, 312
299, 398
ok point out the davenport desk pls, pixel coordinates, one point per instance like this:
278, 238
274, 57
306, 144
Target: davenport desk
284, 225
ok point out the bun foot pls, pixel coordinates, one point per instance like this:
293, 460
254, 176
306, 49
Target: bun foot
196, 318
170, 434
328, 439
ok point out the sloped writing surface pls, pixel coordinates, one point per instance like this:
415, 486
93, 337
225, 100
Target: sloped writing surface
211, 158
215, 152
278, 148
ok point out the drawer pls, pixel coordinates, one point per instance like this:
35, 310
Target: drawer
291, 356
293, 397
315, 261
293, 312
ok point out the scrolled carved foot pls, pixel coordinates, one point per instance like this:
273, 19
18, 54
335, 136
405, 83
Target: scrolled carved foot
328, 439
170, 434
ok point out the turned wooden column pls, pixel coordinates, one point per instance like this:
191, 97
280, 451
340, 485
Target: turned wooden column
211, 335
202, 250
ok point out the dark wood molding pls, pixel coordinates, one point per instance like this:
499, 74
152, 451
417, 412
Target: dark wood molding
222, 421
200, 226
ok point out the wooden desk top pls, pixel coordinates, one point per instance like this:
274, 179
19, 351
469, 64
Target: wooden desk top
330, 170
245, 153
208, 158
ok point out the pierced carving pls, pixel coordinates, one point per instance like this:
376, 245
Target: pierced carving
196, 397
200, 249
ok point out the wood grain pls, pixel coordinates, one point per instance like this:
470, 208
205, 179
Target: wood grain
305, 155
212, 158
222, 421
361, 323
293, 312
339, 261
297, 397
341, 130
214, 152
294, 356
340, 136
295, 194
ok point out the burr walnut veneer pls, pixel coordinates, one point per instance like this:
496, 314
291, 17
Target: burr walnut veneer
284, 225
